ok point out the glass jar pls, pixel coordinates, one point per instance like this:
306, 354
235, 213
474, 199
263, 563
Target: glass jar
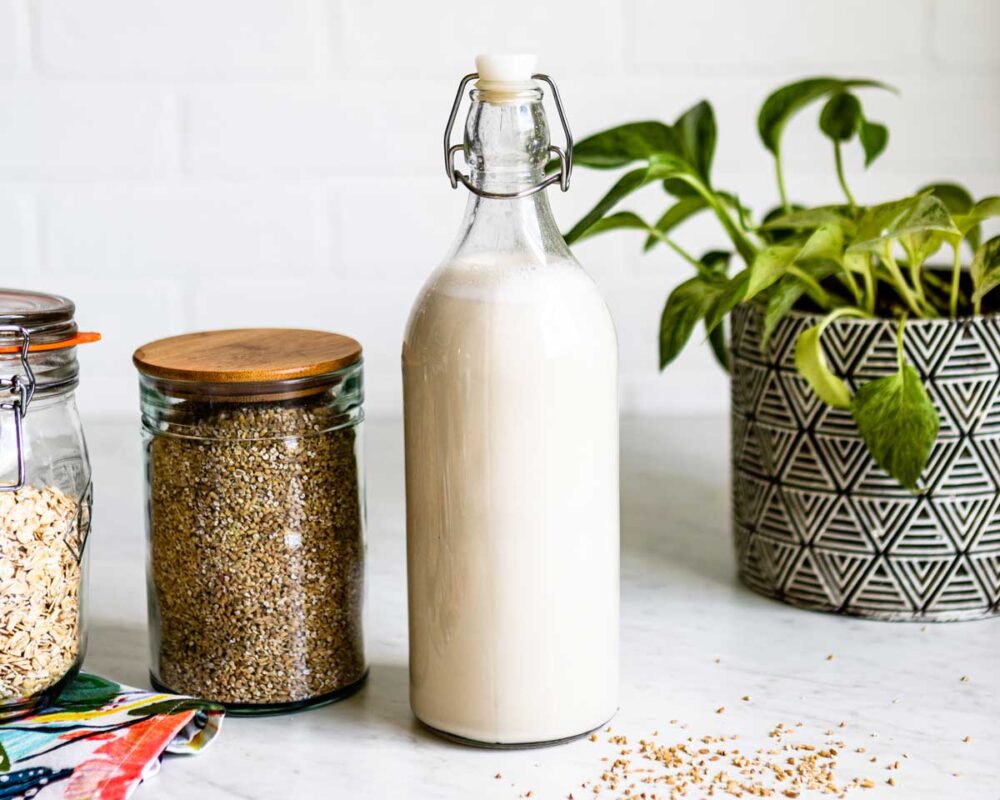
256, 516
45, 500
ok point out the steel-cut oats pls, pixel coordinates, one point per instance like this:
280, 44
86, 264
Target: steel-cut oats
39, 590
257, 554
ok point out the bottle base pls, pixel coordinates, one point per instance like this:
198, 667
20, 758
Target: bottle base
273, 709
486, 745
18, 708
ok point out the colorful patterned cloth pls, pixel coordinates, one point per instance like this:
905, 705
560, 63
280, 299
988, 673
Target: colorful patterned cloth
99, 741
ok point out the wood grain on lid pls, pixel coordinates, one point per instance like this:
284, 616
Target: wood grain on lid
247, 355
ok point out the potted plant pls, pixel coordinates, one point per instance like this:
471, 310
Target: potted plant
865, 383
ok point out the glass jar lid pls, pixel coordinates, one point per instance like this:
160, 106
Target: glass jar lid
253, 363
47, 319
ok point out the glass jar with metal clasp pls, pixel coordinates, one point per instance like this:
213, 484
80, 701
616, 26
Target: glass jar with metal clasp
45, 500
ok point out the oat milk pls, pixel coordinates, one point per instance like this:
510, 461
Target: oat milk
510, 382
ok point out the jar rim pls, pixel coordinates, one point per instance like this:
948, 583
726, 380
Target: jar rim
251, 392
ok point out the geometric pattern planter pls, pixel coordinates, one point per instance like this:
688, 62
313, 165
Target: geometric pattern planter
817, 523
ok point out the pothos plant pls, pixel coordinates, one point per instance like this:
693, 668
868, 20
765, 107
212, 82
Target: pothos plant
838, 260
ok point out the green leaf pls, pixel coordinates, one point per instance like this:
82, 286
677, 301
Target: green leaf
969, 222
623, 219
679, 188
719, 345
780, 302
661, 166
626, 144
881, 224
808, 218
716, 261
898, 421
782, 104
826, 243
811, 364
686, 305
730, 294
841, 116
956, 198
696, 132
985, 268
874, 138
985, 209
625, 185
4, 759
683, 209
769, 265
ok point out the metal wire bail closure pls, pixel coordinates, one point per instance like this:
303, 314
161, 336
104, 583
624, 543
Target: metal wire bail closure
23, 389
565, 157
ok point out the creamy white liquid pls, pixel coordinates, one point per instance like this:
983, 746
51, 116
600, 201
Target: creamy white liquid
510, 386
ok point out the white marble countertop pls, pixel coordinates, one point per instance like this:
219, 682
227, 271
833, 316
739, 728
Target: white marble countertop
693, 641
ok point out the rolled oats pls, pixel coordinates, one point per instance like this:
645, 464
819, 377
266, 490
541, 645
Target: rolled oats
39, 590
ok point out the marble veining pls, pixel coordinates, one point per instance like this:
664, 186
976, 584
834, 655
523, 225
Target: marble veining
693, 641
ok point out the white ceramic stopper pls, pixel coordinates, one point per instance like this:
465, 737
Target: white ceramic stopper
506, 67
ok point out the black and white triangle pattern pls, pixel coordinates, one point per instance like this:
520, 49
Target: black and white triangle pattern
818, 524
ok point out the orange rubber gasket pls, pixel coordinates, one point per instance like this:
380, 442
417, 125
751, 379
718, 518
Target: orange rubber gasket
79, 338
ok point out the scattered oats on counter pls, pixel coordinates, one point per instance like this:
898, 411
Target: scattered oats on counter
39, 590
716, 766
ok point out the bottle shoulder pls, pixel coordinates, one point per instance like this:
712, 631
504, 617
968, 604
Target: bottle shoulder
553, 299
499, 278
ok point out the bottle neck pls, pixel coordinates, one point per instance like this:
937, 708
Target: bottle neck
506, 140
506, 149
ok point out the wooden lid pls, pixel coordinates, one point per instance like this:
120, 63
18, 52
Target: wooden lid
248, 355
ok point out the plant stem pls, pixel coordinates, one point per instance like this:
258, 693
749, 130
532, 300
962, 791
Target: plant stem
956, 275
781, 181
694, 262
916, 273
743, 245
844, 311
899, 341
900, 282
817, 292
852, 284
869, 275
938, 290
839, 161
916, 279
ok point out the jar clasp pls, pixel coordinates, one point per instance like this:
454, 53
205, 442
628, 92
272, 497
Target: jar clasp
22, 389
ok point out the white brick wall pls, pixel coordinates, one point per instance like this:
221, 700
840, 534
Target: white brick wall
13, 39
774, 35
192, 40
183, 164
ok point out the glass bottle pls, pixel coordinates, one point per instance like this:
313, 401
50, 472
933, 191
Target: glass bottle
45, 500
511, 427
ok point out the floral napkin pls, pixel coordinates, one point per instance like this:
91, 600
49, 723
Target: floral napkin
99, 741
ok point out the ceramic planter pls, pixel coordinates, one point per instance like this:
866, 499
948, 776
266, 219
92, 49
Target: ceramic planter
817, 523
